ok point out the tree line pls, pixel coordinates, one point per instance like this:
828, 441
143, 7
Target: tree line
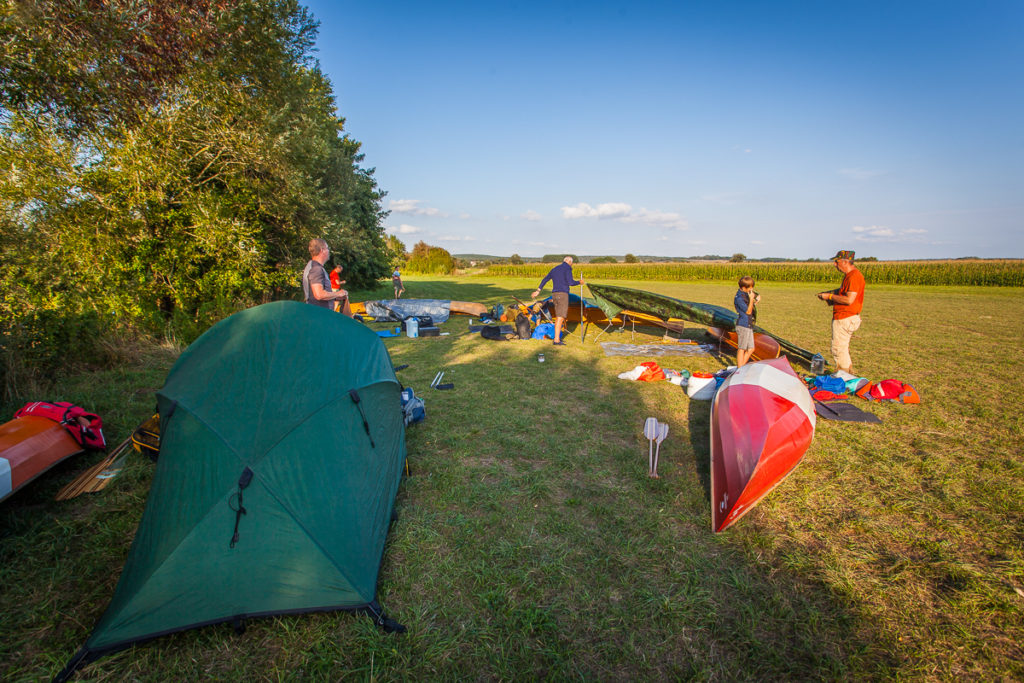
167, 163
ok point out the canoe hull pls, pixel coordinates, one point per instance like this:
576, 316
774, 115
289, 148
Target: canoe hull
613, 299
762, 422
765, 348
454, 307
28, 447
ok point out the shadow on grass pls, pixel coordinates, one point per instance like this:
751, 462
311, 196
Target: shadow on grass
531, 525
531, 544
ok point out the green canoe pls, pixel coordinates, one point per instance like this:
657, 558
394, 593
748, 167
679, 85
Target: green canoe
614, 299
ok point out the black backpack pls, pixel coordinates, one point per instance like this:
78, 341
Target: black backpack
523, 329
492, 332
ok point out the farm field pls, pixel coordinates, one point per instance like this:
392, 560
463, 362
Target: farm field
530, 543
958, 272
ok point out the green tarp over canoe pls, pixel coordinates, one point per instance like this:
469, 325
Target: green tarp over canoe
613, 299
267, 391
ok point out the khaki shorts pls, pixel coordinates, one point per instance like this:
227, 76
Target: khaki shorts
561, 300
744, 338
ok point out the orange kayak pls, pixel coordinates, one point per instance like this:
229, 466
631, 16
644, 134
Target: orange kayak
28, 447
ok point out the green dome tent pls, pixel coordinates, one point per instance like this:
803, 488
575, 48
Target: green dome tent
282, 447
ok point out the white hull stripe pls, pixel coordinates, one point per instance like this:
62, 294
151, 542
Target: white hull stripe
778, 382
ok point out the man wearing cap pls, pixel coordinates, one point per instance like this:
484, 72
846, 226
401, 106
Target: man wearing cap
846, 303
561, 281
316, 284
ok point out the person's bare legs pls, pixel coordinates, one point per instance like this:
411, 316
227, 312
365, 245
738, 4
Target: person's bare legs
558, 329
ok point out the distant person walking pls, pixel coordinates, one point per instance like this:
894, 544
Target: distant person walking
846, 303
561, 281
316, 284
396, 280
744, 301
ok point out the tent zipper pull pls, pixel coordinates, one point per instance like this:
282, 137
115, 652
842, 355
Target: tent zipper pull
354, 395
243, 481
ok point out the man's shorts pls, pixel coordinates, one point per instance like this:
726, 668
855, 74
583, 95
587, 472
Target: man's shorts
744, 338
561, 300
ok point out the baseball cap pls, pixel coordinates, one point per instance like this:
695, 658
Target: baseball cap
843, 254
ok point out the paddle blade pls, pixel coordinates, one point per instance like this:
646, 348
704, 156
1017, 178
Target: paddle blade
651, 428
662, 432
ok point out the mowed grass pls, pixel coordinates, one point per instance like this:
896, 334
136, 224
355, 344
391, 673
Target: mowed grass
530, 543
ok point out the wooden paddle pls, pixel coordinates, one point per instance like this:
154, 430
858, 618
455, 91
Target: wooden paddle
530, 308
92, 479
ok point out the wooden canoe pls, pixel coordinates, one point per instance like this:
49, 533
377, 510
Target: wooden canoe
762, 422
28, 447
765, 348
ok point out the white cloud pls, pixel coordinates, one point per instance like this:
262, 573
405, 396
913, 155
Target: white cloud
609, 210
873, 232
624, 212
860, 173
456, 238
531, 216
403, 229
412, 206
878, 233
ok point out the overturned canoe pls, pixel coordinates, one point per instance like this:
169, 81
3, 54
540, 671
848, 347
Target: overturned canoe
593, 313
28, 447
614, 299
438, 309
765, 348
762, 422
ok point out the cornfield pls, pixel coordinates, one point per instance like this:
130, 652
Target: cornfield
994, 273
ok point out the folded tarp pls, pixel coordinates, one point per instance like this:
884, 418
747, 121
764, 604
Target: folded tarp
400, 309
844, 412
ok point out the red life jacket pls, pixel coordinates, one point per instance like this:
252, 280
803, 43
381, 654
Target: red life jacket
651, 372
889, 390
89, 435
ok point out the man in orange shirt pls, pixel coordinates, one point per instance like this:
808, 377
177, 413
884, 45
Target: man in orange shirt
846, 303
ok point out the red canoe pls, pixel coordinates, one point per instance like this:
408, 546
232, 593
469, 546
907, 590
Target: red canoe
28, 447
762, 421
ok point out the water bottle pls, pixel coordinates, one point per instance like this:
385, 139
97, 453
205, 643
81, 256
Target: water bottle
817, 364
412, 327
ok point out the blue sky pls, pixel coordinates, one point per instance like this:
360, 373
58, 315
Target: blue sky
787, 129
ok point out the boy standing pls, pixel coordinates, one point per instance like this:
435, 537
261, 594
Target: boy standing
744, 303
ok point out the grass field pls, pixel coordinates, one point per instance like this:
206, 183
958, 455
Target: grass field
532, 545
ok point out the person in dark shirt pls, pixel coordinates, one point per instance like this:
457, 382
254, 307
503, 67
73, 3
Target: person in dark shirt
744, 302
316, 285
561, 281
